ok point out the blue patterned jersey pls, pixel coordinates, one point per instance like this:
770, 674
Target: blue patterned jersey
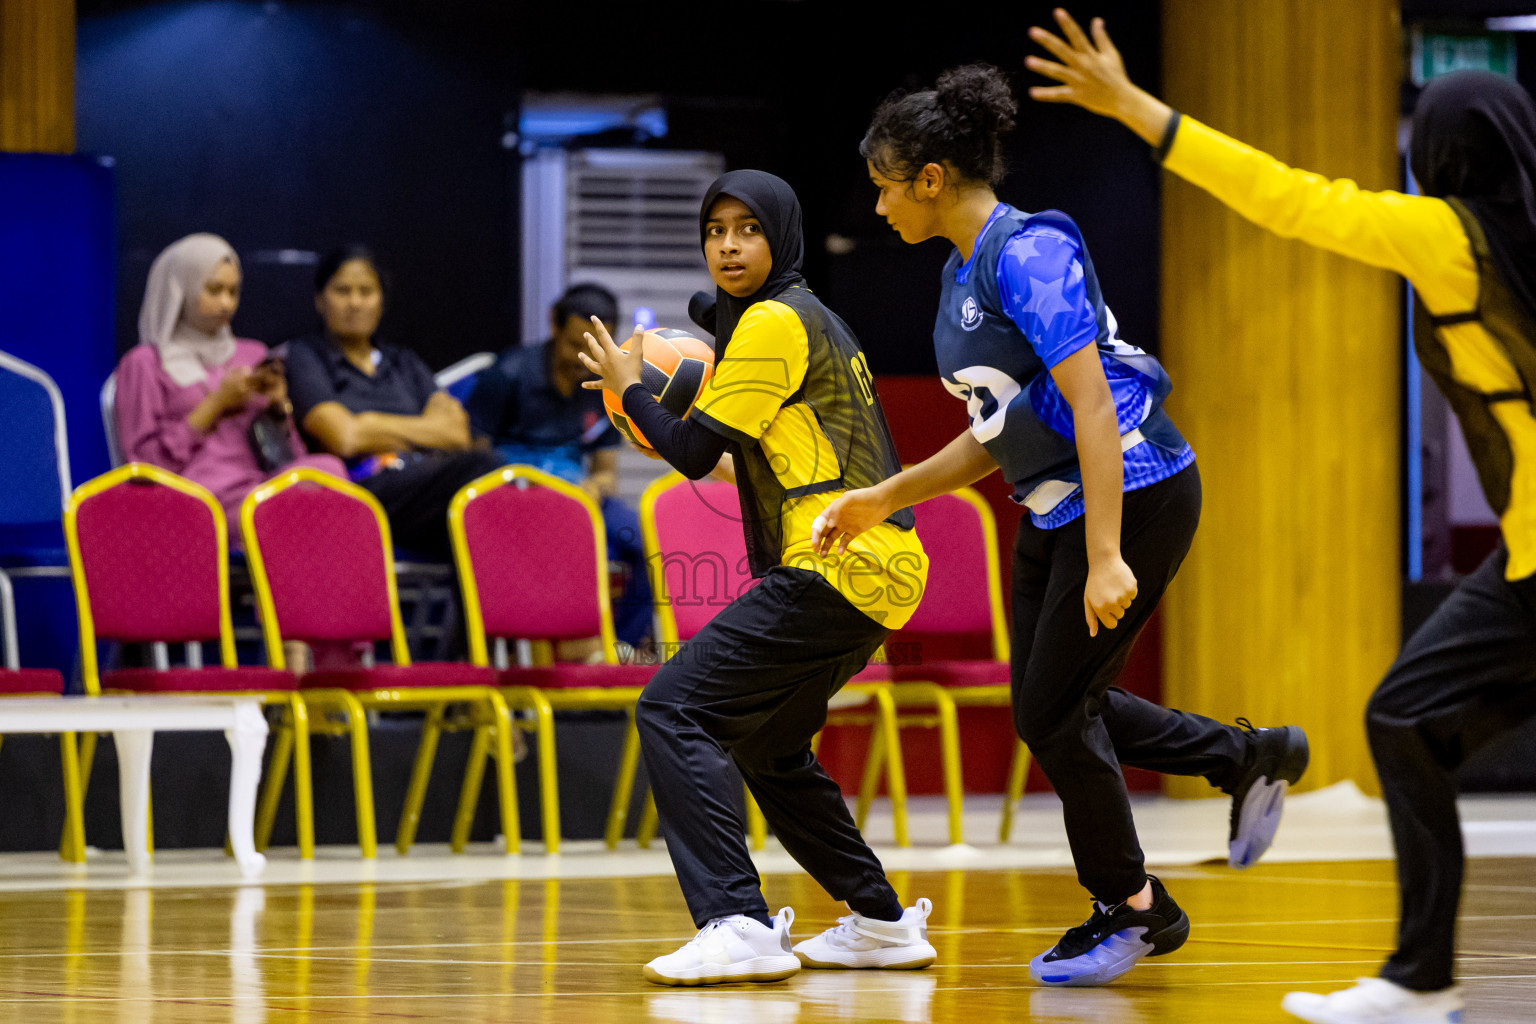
1042, 287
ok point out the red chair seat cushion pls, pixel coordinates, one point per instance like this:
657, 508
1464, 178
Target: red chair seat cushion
399, 677
572, 677
954, 673
875, 672
198, 680
31, 680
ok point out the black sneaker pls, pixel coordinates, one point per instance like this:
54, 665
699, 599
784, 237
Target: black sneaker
1279, 759
1111, 942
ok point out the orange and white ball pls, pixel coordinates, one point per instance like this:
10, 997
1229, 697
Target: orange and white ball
677, 367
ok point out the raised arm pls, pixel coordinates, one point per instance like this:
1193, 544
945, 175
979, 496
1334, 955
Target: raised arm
1416, 236
1092, 75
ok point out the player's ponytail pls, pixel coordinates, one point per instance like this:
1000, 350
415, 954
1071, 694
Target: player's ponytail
960, 122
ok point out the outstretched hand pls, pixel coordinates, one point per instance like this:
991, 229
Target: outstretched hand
1092, 75
615, 368
1091, 71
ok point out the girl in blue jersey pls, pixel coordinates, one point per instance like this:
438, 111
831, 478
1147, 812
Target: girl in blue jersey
1073, 416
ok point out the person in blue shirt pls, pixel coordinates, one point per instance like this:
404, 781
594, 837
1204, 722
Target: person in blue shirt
532, 407
1073, 416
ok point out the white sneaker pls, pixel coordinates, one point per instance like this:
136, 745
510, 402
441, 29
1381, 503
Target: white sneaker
734, 948
1376, 1001
859, 941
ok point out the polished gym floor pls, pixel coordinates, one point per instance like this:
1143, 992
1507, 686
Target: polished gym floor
486, 937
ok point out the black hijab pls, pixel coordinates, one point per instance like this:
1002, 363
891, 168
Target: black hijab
1474, 138
776, 208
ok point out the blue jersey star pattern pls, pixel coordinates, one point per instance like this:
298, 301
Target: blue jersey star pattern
1041, 281
1043, 291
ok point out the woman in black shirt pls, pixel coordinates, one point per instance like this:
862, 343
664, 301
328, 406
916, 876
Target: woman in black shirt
378, 407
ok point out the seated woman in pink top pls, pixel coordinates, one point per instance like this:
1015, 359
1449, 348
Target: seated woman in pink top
187, 395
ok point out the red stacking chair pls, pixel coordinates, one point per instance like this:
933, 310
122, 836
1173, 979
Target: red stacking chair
320, 556
149, 556
963, 602
533, 563
698, 560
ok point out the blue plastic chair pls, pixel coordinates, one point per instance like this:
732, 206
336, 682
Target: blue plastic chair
459, 379
34, 448
108, 401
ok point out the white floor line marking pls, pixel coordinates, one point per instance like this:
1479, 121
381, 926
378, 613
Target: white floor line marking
1184, 874
301, 951
1489, 958
310, 951
1200, 876
277, 1002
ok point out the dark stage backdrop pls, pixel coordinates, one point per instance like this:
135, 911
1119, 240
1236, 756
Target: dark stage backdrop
292, 128
295, 126
789, 87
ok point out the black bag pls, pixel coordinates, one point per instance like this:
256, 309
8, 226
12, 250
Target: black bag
270, 440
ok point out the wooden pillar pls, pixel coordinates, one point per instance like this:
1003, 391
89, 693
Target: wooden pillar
37, 76
1286, 363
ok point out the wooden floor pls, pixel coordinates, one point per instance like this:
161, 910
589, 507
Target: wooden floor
571, 950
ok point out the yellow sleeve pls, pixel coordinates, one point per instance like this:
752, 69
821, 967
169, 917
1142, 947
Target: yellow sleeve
765, 363
1417, 236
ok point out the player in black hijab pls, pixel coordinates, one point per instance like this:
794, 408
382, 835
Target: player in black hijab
1474, 138
793, 402
778, 211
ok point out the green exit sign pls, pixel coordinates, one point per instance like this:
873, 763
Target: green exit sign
1440, 53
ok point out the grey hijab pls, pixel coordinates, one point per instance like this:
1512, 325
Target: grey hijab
175, 281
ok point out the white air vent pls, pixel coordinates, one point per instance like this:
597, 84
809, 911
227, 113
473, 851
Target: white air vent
626, 219
636, 209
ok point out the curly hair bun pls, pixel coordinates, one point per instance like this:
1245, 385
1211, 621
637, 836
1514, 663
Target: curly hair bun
961, 123
977, 99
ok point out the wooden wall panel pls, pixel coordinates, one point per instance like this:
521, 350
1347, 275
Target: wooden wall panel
37, 76
1286, 364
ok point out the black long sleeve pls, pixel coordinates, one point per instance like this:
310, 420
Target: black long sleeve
692, 450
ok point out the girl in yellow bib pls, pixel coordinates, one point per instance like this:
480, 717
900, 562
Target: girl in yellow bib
1468, 245
792, 401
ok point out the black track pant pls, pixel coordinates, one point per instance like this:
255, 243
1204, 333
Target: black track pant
1079, 727
1466, 677
752, 688
417, 495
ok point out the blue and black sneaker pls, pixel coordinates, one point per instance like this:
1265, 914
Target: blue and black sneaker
1280, 757
1112, 941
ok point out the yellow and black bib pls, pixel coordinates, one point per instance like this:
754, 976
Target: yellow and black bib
795, 396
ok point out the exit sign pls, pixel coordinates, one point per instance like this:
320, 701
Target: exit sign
1440, 53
